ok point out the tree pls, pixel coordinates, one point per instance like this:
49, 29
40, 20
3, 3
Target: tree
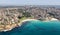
26, 14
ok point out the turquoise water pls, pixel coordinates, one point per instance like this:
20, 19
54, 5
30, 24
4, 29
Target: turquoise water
36, 28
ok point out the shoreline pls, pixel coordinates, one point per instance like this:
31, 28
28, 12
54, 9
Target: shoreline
19, 24
51, 19
25, 21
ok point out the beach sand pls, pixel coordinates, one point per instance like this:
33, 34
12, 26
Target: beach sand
50, 19
25, 21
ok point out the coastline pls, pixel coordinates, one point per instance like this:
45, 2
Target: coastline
8, 27
51, 19
25, 21
19, 24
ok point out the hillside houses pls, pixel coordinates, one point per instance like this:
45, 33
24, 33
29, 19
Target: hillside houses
10, 17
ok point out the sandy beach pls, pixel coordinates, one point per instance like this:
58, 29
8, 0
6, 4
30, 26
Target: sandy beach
50, 19
25, 21
53, 19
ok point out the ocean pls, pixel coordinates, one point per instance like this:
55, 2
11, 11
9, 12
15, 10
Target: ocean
36, 27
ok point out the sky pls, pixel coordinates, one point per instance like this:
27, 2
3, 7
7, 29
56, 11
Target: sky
29, 2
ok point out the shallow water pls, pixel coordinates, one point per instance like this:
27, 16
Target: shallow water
36, 28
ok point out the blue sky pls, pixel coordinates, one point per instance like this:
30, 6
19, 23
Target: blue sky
29, 2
